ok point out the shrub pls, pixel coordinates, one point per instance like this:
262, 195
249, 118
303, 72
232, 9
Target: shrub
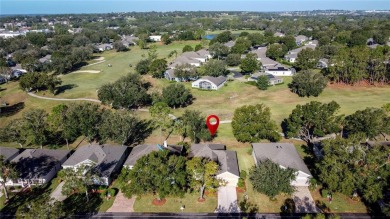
243, 174
241, 183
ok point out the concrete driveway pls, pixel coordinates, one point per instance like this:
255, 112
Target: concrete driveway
227, 200
303, 200
57, 193
122, 204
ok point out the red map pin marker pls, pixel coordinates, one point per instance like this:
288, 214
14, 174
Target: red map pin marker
212, 126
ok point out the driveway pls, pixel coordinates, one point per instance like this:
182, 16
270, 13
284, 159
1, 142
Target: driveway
122, 204
57, 193
303, 200
227, 200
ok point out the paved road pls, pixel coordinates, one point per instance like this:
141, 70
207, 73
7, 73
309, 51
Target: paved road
63, 99
227, 200
122, 204
57, 193
303, 200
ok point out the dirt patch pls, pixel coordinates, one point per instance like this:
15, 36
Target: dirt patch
357, 86
210, 194
159, 202
201, 199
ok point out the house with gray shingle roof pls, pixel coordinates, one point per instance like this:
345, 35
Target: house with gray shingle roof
209, 83
145, 149
272, 79
227, 160
104, 159
286, 156
8, 153
37, 166
300, 39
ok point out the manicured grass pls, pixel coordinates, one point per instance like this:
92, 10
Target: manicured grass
190, 201
340, 203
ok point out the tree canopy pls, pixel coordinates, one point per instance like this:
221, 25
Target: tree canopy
176, 95
308, 83
250, 63
214, 68
253, 123
265, 175
314, 119
127, 92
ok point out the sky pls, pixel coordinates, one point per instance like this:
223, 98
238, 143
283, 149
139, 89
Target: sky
106, 6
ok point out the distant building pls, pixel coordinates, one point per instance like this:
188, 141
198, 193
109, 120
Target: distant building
209, 83
300, 39
156, 38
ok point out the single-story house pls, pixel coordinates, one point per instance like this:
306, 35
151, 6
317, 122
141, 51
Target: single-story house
279, 34
272, 80
209, 83
3, 80
8, 153
156, 38
300, 39
45, 59
322, 63
286, 156
182, 60
19, 68
105, 160
169, 74
145, 149
37, 166
279, 70
292, 55
104, 47
227, 160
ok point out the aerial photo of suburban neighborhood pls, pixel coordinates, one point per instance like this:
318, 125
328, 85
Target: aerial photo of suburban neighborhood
194, 109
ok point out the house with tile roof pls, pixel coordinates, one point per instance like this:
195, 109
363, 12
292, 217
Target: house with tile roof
286, 156
227, 160
105, 160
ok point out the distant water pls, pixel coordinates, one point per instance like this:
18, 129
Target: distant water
209, 36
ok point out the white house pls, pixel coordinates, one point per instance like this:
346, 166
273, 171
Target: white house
105, 160
286, 156
37, 166
156, 38
227, 160
209, 83
279, 70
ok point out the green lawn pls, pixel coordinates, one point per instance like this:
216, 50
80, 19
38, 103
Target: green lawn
190, 201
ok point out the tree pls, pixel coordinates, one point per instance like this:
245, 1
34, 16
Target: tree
195, 126
218, 50
158, 67
289, 41
118, 45
223, 37
39, 81
251, 123
266, 173
152, 53
84, 118
165, 38
176, 95
307, 59
311, 120
37, 39
347, 166
15, 131
160, 114
185, 72
7, 172
233, 59
241, 45
127, 92
143, 66
202, 174
198, 47
262, 82
276, 51
61, 123
257, 39
250, 63
371, 122
36, 126
308, 83
214, 68
187, 48
158, 172
42, 207
123, 127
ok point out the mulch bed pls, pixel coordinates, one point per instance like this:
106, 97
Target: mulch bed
210, 194
159, 202
201, 199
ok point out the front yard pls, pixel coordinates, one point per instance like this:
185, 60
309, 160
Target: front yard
173, 204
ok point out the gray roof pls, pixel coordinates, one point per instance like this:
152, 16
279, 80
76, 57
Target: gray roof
44, 59
106, 157
228, 162
171, 73
260, 52
181, 60
36, 163
8, 153
377, 143
217, 152
230, 44
265, 61
284, 154
301, 38
144, 149
270, 76
216, 80
203, 52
